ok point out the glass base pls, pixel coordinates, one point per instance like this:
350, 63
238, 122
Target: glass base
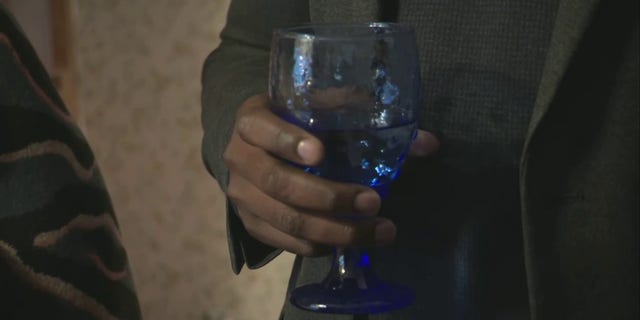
348, 298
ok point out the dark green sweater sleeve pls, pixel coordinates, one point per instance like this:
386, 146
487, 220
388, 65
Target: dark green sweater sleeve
61, 255
233, 72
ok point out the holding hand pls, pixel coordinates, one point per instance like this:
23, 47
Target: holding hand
285, 207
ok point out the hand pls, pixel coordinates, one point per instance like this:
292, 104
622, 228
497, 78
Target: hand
285, 207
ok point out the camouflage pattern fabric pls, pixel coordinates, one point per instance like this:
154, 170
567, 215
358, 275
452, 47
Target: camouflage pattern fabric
61, 255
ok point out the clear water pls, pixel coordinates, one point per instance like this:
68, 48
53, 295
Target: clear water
371, 157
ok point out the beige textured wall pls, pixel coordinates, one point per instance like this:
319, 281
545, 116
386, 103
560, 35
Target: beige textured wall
139, 66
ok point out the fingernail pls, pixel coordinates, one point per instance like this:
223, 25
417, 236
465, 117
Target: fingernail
385, 232
305, 150
367, 202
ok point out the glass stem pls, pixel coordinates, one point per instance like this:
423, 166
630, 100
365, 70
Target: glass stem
350, 269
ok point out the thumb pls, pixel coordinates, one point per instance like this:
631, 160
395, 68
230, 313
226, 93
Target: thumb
425, 144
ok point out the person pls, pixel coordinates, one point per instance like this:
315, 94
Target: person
60, 251
521, 198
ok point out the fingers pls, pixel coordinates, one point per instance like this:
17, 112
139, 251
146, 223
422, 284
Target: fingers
425, 144
295, 187
258, 126
298, 230
283, 206
265, 233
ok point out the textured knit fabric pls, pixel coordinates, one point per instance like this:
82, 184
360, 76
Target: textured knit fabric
507, 86
579, 180
60, 250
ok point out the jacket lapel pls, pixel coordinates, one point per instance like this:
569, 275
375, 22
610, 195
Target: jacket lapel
572, 19
341, 11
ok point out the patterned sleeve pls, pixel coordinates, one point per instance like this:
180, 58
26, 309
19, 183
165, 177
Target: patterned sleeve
61, 255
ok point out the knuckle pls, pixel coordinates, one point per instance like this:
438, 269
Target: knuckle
292, 224
338, 199
227, 157
349, 234
308, 250
235, 191
274, 181
331, 200
234, 194
269, 179
244, 124
284, 141
356, 234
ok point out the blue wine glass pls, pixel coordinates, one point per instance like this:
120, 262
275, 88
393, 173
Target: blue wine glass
357, 88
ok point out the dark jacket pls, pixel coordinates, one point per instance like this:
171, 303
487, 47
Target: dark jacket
573, 188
